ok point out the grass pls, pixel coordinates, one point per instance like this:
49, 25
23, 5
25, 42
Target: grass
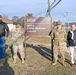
38, 60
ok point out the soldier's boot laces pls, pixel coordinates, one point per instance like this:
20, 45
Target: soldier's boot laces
54, 63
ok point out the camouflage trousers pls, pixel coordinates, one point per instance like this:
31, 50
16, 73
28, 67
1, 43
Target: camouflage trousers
59, 49
18, 48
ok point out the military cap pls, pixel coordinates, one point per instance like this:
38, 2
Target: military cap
59, 23
17, 26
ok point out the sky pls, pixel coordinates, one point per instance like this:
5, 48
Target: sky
64, 11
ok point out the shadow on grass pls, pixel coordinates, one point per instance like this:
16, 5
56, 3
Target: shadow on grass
5, 68
45, 52
68, 61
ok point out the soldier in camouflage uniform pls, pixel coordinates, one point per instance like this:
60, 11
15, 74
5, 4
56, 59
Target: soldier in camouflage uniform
18, 39
59, 37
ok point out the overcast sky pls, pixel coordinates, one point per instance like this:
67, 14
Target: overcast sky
22, 7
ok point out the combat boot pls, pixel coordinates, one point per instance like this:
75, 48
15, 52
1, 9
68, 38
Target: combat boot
23, 60
63, 63
54, 63
14, 61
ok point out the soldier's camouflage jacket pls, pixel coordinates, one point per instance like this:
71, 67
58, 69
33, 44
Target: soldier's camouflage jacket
58, 36
17, 37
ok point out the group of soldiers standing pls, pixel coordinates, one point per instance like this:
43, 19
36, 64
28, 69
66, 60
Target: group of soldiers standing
62, 39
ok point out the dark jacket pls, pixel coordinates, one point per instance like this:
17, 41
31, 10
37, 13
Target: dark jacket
4, 30
71, 42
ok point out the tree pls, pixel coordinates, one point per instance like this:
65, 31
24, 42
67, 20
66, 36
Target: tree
5, 16
15, 19
54, 23
29, 15
22, 21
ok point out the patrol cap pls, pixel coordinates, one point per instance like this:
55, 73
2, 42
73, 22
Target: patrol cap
59, 23
17, 26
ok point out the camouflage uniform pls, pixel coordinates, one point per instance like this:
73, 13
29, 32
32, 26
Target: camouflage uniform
18, 39
59, 43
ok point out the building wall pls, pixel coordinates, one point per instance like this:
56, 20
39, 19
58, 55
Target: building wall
11, 27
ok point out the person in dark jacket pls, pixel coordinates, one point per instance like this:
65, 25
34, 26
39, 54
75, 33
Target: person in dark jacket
4, 32
72, 42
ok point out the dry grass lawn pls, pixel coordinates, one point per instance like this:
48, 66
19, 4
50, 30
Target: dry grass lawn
37, 62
